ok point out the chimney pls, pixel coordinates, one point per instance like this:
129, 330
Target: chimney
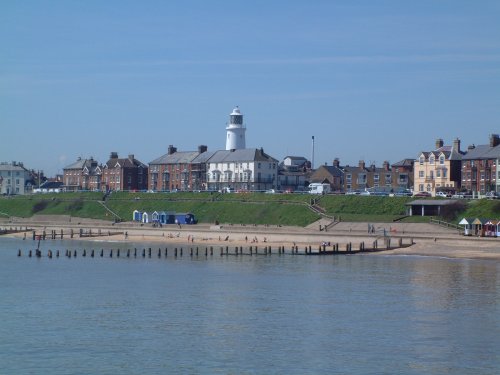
113, 155
456, 145
386, 165
171, 149
362, 164
336, 162
439, 143
202, 149
494, 140
131, 157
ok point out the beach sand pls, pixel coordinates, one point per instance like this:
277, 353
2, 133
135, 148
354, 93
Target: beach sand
428, 240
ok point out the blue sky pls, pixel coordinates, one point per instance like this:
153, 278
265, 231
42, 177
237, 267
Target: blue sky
372, 80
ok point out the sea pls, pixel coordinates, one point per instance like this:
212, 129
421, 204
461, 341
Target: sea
274, 314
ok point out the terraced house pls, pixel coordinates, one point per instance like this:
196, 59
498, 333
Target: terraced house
481, 167
179, 170
124, 174
84, 174
362, 178
440, 169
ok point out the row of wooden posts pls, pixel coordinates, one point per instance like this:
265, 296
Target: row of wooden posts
267, 250
54, 234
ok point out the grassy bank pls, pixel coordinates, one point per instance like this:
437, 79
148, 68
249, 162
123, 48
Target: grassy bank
252, 208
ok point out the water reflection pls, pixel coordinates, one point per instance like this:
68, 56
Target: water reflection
274, 314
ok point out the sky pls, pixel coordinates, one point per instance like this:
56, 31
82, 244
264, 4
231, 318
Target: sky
370, 80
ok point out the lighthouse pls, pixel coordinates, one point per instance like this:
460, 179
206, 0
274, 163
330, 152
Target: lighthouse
235, 138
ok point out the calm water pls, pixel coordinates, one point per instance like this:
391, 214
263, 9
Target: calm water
367, 314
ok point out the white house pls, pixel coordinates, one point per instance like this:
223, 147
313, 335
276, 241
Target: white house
242, 169
15, 179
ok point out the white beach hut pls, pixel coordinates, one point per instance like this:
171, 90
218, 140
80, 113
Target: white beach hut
467, 223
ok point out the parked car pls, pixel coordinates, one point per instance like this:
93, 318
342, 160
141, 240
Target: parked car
492, 195
442, 194
422, 194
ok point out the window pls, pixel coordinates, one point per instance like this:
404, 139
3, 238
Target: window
438, 173
258, 165
376, 177
421, 174
17, 181
421, 187
348, 178
421, 160
441, 160
444, 173
431, 160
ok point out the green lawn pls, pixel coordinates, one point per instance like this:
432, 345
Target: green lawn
236, 208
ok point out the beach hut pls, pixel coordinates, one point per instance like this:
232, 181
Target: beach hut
467, 223
155, 217
162, 217
136, 215
145, 217
185, 218
170, 217
491, 228
478, 227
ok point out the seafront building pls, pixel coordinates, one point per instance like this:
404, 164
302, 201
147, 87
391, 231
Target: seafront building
242, 169
83, 174
15, 179
440, 169
124, 174
388, 178
480, 167
294, 173
179, 170
236, 168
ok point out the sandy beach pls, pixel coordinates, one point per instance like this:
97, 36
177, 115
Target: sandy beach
427, 239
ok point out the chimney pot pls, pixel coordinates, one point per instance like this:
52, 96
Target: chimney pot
494, 140
439, 143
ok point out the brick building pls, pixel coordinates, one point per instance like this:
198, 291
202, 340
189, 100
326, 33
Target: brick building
84, 174
480, 167
124, 174
179, 170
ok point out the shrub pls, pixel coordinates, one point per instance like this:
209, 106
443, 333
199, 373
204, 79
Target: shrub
450, 212
39, 206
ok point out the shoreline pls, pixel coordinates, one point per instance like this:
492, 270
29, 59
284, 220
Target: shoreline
428, 240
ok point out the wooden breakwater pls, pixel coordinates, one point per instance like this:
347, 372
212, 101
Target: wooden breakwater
211, 251
81, 233
12, 230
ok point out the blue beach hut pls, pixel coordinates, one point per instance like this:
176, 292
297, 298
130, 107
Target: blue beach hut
162, 217
137, 215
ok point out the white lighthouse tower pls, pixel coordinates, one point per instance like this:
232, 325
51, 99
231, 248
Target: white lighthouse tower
235, 138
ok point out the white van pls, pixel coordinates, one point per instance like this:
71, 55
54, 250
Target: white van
318, 188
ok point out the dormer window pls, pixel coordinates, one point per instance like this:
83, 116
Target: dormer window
441, 160
431, 160
421, 160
